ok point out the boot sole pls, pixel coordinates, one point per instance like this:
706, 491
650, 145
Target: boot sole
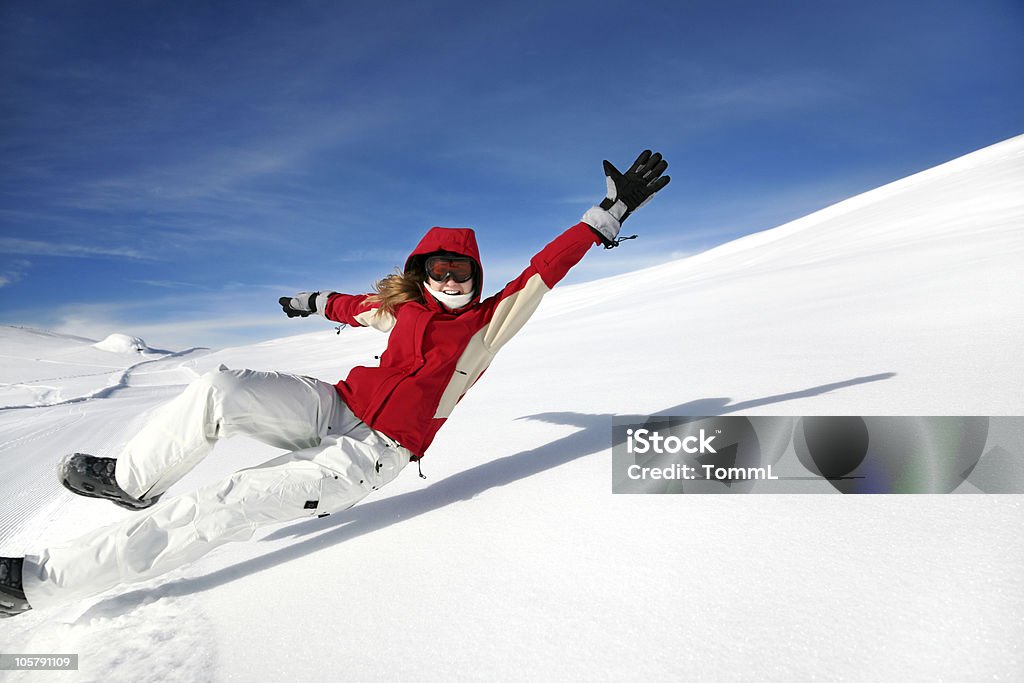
12, 605
73, 482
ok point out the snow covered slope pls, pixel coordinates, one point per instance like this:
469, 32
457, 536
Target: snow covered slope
514, 561
44, 368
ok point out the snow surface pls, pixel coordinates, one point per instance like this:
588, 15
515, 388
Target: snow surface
513, 560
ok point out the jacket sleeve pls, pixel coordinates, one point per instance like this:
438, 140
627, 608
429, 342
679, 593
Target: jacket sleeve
354, 310
507, 311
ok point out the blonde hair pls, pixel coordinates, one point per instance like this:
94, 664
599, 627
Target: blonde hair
399, 288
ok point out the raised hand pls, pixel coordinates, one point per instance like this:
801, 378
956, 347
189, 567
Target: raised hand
627, 192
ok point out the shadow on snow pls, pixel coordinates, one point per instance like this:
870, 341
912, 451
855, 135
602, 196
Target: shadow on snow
593, 437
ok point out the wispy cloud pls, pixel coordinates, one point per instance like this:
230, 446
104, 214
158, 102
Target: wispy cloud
376, 256
768, 94
15, 245
13, 272
168, 284
99, 327
180, 332
174, 321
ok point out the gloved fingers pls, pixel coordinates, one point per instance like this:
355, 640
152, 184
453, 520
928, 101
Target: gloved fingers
659, 183
290, 309
652, 168
657, 170
641, 161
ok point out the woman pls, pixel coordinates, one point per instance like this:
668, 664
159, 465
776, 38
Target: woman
343, 441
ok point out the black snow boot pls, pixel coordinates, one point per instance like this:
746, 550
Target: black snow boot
88, 475
12, 594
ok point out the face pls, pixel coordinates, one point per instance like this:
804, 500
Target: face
450, 286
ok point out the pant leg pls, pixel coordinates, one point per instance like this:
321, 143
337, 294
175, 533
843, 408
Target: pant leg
287, 411
329, 477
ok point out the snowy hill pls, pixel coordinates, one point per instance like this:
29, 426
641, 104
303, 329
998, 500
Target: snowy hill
41, 368
514, 561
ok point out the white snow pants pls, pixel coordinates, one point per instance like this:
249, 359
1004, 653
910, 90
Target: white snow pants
334, 461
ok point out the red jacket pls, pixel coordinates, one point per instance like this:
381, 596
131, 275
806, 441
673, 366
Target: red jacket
434, 355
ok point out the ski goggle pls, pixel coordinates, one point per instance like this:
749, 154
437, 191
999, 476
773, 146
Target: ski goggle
440, 268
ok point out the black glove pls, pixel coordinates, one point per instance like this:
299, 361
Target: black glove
627, 192
635, 187
303, 304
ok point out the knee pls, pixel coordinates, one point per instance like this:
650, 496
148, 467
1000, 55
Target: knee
219, 391
221, 380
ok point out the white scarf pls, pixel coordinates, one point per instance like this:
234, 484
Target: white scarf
452, 301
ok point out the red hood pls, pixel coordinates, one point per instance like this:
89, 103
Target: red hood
457, 240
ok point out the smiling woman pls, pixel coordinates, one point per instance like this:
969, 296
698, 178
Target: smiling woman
343, 441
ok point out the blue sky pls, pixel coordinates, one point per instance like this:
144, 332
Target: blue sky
171, 169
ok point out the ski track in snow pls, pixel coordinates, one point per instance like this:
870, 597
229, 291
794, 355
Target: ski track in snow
513, 561
117, 381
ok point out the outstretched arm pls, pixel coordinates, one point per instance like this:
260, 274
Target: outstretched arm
515, 303
506, 312
342, 308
